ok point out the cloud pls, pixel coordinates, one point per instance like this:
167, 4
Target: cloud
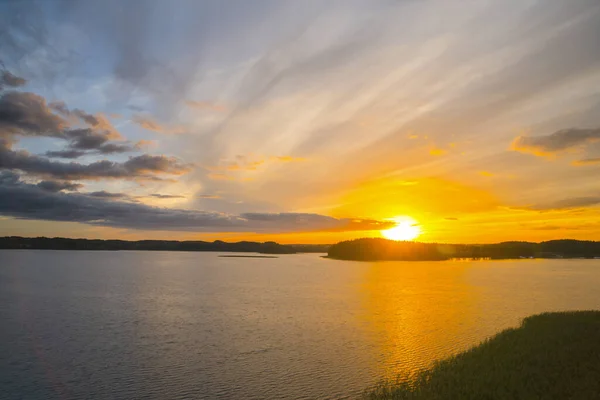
287, 159
229, 170
23, 200
243, 163
557, 142
144, 166
71, 154
88, 139
57, 186
568, 203
437, 152
107, 195
10, 80
305, 221
219, 176
586, 161
205, 105
110, 148
241, 166
28, 114
166, 196
9, 178
151, 125
142, 144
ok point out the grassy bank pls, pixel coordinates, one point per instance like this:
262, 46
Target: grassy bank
551, 356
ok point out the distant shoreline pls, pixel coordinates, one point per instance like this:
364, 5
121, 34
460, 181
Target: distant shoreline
44, 243
366, 249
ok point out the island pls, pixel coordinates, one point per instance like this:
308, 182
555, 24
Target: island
377, 249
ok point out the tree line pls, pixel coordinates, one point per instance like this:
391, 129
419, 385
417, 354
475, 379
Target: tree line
373, 249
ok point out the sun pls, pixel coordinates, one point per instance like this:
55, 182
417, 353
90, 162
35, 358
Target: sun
406, 229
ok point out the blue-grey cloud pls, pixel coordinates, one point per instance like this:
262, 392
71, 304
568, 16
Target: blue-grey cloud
7, 79
57, 186
70, 154
22, 200
166, 196
559, 141
28, 114
143, 167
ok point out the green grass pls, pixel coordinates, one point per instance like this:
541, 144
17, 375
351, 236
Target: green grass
551, 356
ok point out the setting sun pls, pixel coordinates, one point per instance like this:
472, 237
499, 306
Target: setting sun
406, 229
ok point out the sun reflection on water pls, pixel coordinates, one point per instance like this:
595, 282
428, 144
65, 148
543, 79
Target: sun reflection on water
420, 311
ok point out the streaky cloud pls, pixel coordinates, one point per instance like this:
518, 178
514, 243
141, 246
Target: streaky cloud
22, 200
557, 142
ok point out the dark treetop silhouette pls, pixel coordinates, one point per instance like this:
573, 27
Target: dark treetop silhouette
43, 243
373, 249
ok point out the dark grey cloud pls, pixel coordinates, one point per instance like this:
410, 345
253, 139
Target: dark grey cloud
60, 107
9, 178
87, 118
57, 186
27, 201
562, 140
21, 200
10, 80
144, 166
306, 220
86, 139
568, 203
97, 121
111, 148
166, 196
27, 114
107, 195
71, 154
89, 139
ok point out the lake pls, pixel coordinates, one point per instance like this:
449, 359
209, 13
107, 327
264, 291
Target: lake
177, 325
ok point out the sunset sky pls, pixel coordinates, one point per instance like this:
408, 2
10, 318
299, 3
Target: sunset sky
300, 121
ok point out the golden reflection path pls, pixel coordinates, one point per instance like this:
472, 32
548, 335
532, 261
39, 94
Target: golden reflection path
420, 312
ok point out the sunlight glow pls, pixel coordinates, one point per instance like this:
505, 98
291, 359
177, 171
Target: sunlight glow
406, 228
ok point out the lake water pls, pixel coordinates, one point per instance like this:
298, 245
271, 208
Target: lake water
174, 325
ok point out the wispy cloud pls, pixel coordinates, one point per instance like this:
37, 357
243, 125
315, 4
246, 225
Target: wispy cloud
150, 124
205, 105
557, 142
106, 209
568, 203
586, 161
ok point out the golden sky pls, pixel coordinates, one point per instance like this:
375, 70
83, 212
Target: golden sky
301, 122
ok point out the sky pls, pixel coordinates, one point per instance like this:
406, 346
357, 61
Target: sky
300, 121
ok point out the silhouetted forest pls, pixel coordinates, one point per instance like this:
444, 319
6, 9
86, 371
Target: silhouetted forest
44, 243
373, 249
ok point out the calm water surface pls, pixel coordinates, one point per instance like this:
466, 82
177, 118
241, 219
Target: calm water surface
170, 325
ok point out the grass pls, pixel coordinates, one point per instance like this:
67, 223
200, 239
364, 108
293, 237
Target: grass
550, 356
